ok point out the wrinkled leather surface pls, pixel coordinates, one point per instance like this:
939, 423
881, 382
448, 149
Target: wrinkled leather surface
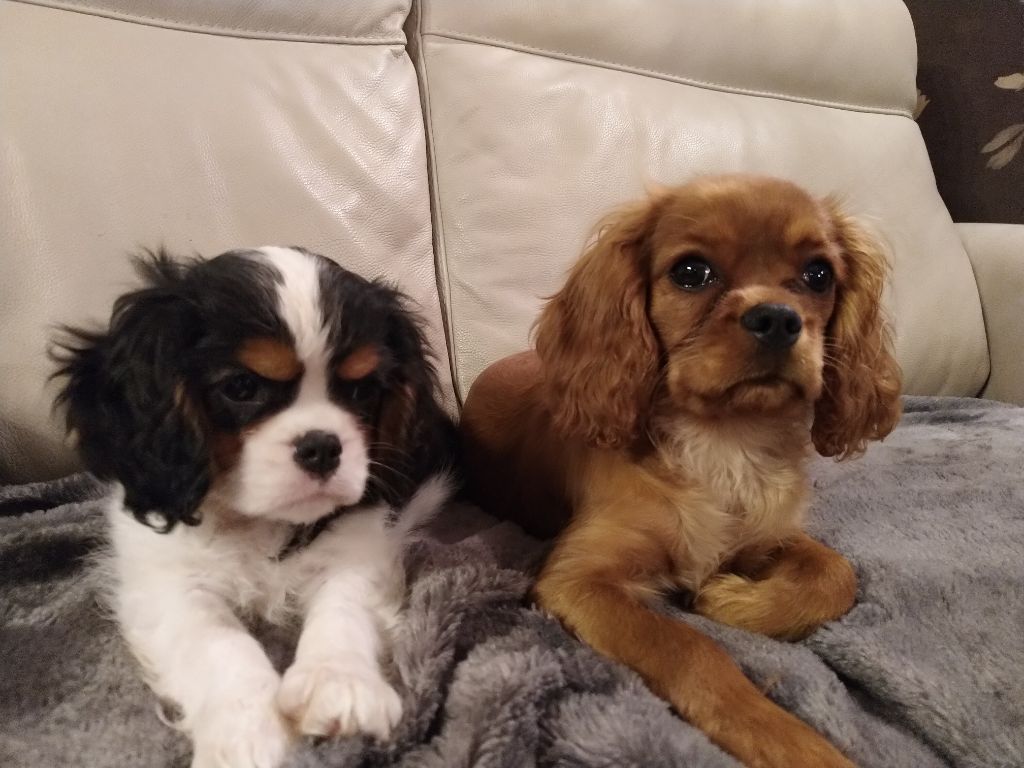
859, 55
542, 116
997, 254
117, 135
364, 22
207, 125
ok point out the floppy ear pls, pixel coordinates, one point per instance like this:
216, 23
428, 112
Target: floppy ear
415, 436
598, 349
860, 399
128, 401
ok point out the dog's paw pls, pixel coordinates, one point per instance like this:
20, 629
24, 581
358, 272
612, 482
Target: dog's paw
733, 600
338, 698
771, 606
244, 731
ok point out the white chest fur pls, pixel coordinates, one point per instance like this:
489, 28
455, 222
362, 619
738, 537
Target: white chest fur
237, 562
744, 487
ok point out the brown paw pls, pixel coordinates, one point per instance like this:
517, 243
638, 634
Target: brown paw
766, 607
733, 600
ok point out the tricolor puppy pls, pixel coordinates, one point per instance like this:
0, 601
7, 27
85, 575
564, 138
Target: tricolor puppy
707, 341
268, 418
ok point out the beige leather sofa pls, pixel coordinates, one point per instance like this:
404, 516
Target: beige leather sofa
462, 148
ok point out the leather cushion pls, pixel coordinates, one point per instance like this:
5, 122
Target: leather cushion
128, 134
541, 117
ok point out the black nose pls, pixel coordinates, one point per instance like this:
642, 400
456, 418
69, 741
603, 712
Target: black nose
776, 326
318, 452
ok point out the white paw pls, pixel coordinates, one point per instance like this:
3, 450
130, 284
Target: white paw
338, 698
242, 731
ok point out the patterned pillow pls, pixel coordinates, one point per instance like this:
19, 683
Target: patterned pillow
971, 103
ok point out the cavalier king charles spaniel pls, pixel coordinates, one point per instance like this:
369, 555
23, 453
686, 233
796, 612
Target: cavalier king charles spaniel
273, 426
706, 340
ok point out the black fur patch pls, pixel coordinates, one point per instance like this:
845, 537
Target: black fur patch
135, 394
144, 395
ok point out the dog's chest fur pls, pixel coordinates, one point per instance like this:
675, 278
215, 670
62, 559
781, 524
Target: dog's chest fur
739, 487
238, 562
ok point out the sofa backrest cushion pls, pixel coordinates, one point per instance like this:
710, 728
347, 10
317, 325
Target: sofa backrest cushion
543, 116
200, 127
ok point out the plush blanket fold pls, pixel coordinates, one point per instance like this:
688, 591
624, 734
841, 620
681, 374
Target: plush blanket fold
926, 670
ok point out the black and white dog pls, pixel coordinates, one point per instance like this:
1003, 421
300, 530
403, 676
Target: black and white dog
272, 421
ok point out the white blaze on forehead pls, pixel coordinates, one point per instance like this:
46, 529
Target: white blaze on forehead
298, 300
267, 481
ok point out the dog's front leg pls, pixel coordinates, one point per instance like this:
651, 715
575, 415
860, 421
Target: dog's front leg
197, 654
601, 579
336, 686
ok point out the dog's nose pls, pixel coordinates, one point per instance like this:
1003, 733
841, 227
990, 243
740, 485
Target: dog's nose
776, 326
318, 452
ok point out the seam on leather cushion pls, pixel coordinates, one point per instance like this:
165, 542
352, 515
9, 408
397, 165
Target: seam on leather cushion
441, 268
566, 56
212, 29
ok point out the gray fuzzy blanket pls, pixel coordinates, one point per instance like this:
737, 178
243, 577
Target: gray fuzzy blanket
927, 670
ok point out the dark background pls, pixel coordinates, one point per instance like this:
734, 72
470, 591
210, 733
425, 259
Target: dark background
963, 46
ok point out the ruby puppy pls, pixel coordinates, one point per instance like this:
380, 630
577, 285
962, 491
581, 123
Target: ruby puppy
711, 337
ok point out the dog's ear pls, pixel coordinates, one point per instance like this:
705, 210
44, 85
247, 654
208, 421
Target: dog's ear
860, 398
128, 401
415, 437
598, 349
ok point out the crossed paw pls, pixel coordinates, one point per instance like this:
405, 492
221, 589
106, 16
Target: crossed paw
258, 726
338, 699
243, 729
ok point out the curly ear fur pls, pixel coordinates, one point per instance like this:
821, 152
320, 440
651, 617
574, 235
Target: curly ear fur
597, 347
415, 437
860, 399
126, 399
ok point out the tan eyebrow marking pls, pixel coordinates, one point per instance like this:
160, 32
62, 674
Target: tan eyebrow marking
810, 243
269, 358
803, 234
358, 364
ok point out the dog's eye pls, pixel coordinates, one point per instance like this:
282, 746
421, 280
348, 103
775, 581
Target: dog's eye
361, 395
692, 273
818, 275
241, 388
359, 390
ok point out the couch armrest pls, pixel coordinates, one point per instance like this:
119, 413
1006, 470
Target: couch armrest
997, 255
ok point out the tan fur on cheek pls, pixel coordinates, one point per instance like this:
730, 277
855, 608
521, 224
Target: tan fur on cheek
187, 408
225, 448
395, 415
269, 358
222, 456
709, 359
359, 364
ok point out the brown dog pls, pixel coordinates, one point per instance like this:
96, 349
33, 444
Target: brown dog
706, 338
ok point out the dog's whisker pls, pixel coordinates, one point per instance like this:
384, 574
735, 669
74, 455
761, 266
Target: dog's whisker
391, 469
386, 448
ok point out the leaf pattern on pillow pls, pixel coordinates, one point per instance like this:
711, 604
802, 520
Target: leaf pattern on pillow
1005, 145
1014, 82
922, 102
